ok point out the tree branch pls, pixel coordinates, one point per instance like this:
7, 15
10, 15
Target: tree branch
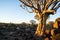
47, 4
38, 6
54, 4
31, 6
57, 7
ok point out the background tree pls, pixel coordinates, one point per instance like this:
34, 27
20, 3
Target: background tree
32, 22
42, 9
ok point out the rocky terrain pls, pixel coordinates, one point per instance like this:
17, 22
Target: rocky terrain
17, 31
10, 31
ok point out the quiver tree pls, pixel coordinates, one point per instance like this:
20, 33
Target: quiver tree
42, 9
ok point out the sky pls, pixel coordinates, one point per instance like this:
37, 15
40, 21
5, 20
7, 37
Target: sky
11, 12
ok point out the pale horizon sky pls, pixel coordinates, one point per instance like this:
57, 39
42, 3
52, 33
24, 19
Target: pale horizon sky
10, 11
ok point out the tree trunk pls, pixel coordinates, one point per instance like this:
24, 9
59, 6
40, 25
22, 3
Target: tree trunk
39, 28
41, 25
